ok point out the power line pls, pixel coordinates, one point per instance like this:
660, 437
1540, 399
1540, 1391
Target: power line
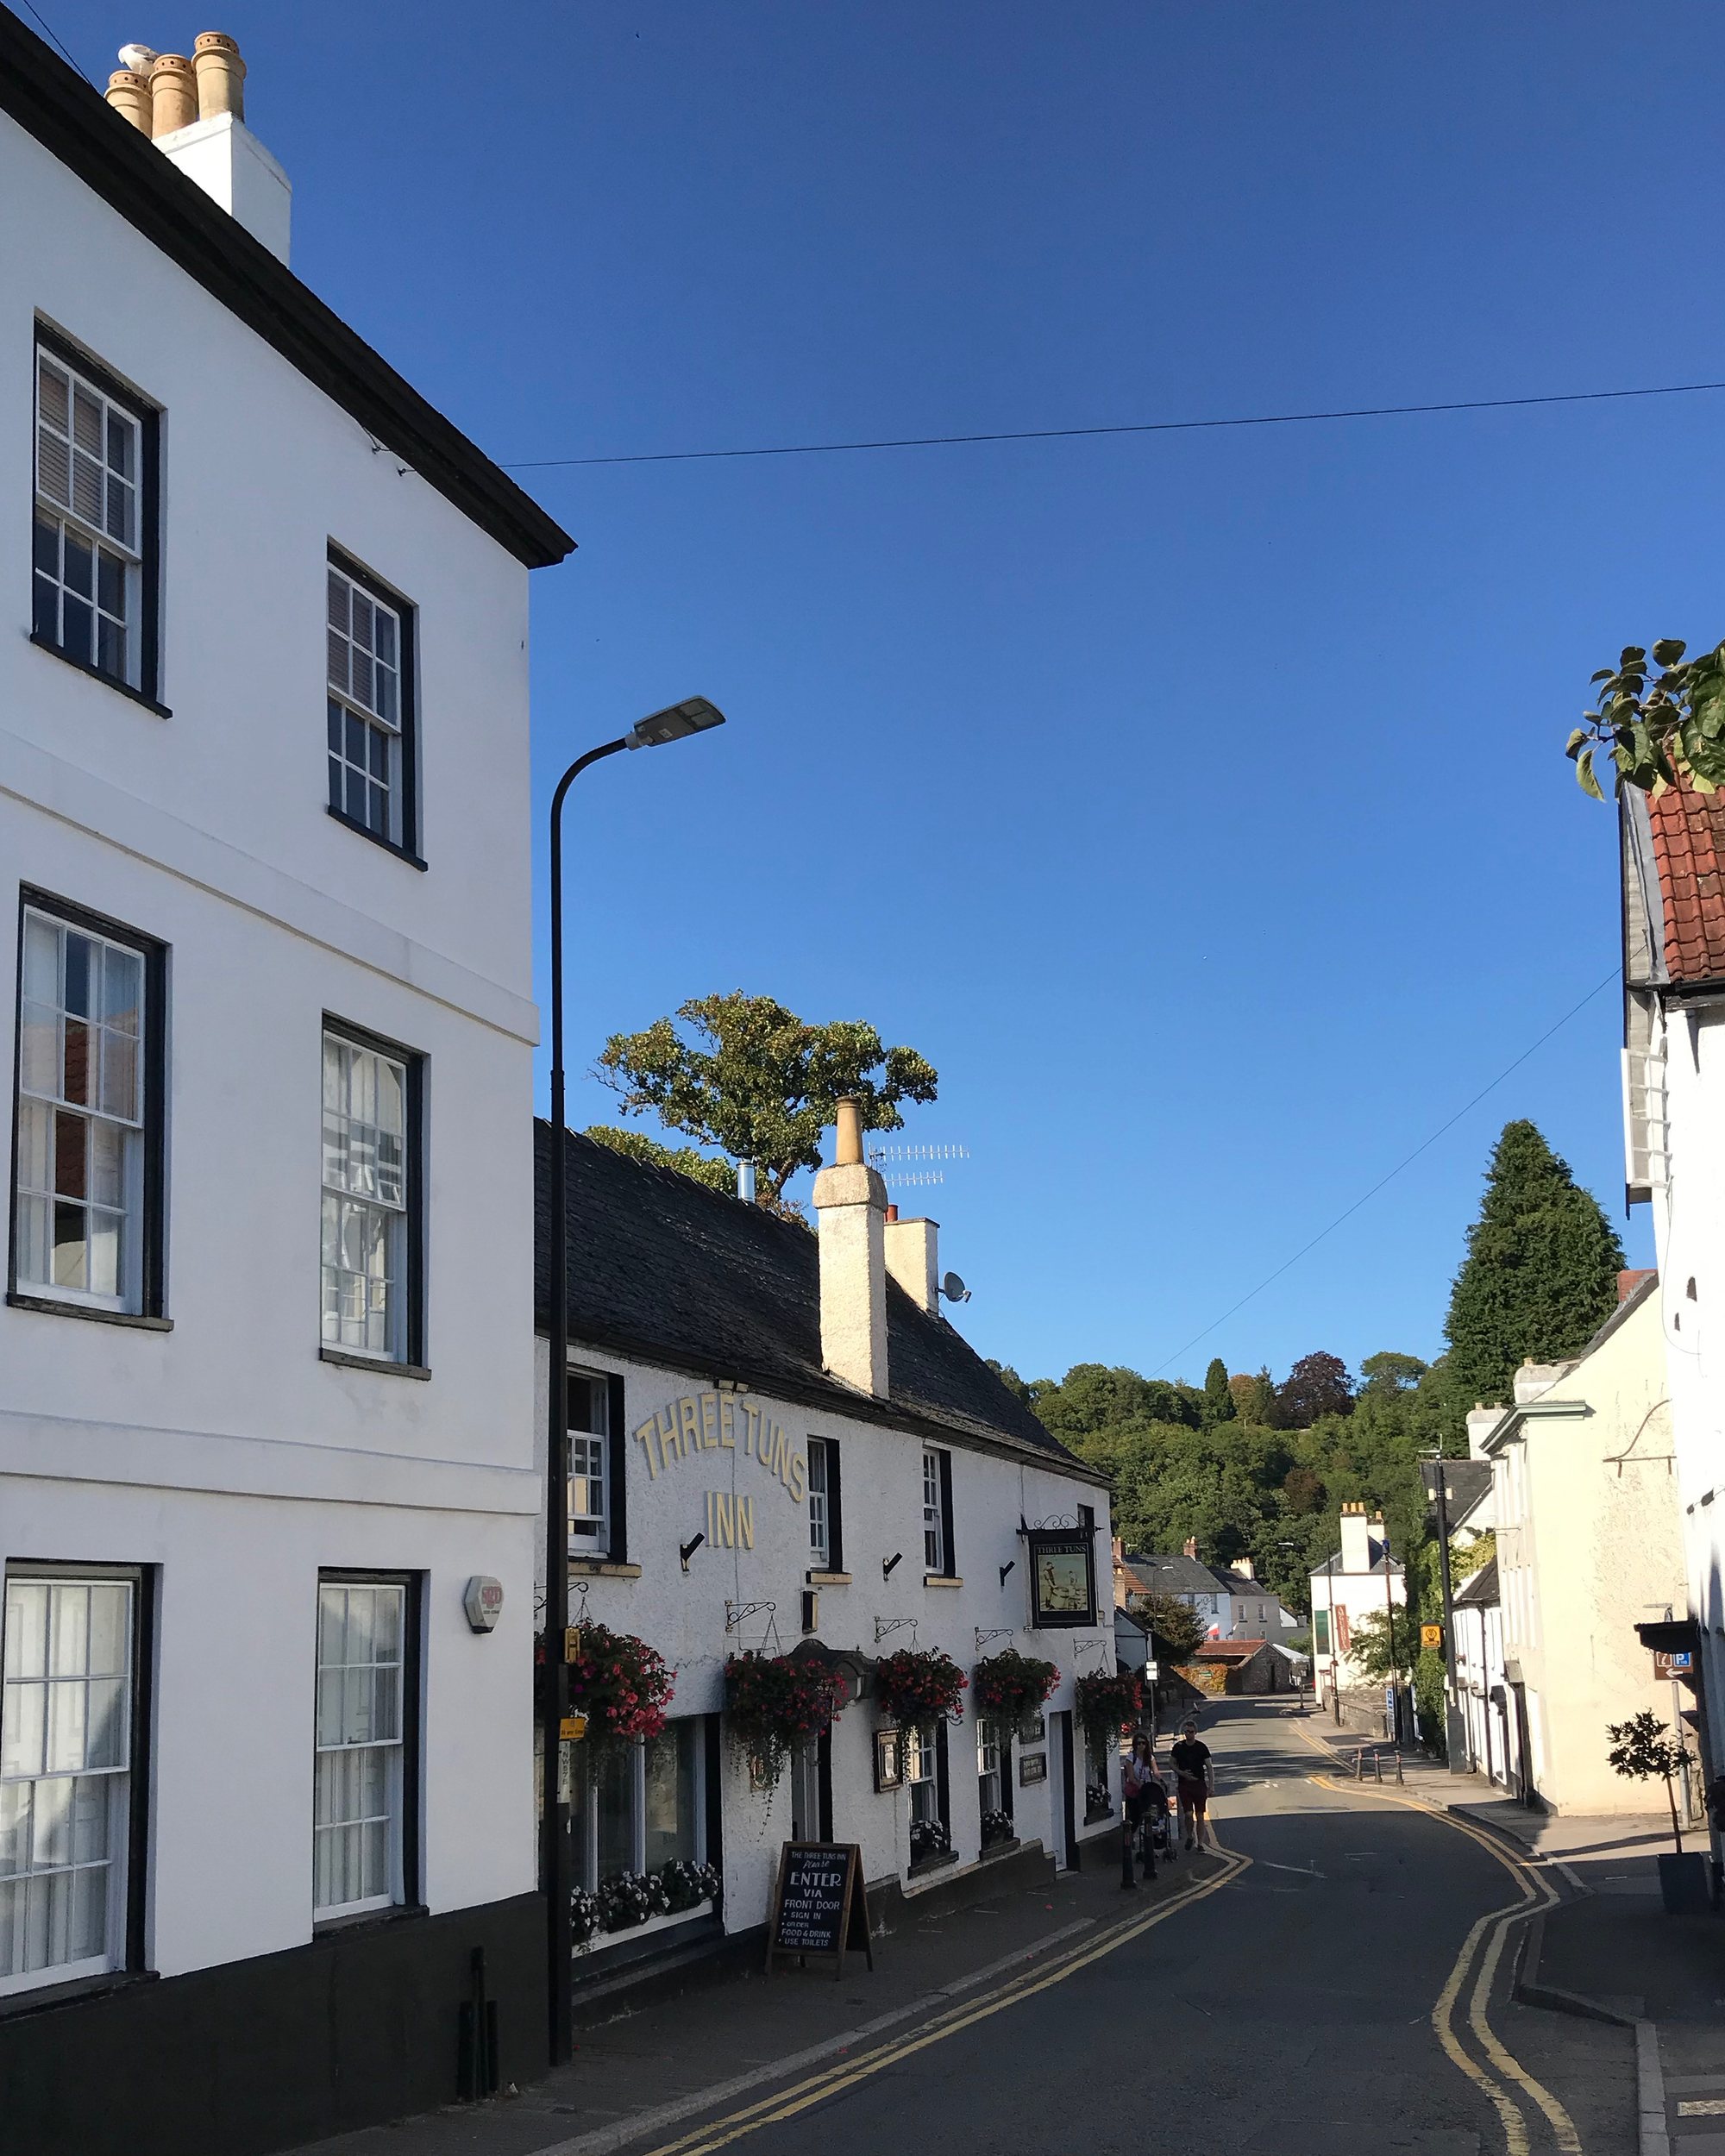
1144, 426
1424, 1145
48, 31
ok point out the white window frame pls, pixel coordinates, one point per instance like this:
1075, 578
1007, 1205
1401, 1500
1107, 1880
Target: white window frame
586, 1851
360, 1183
594, 1540
370, 691
330, 1743
988, 1763
934, 1536
922, 1773
819, 1515
120, 1110
92, 524
56, 1589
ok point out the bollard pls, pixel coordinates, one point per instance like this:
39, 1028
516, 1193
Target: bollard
1126, 1878
1377, 1762
1399, 1775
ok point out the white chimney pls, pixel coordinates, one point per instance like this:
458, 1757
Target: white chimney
911, 1258
1356, 1539
850, 1222
1481, 1422
1534, 1378
1244, 1567
194, 110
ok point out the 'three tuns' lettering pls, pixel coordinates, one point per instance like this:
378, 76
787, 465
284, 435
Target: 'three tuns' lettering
709, 1422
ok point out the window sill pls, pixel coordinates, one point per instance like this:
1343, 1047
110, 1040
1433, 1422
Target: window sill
49, 1307
343, 1361
942, 1579
1004, 1847
45, 1996
353, 824
918, 1866
368, 1921
95, 673
603, 1568
829, 1579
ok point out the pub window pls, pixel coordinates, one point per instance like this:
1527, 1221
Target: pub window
920, 1777
364, 1802
589, 1464
1320, 1631
641, 1806
71, 1779
936, 1512
826, 1526
373, 1198
988, 1765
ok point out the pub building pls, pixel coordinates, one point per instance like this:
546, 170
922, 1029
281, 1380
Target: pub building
780, 1445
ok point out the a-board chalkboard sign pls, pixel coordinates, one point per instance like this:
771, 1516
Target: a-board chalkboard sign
820, 1905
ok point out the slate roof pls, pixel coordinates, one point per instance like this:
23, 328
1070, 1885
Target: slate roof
1226, 1650
1482, 1588
662, 1269
1689, 850
1181, 1575
1378, 1566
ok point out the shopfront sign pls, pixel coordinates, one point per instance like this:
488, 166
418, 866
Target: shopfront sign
819, 1904
1062, 1576
706, 1426
1032, 1767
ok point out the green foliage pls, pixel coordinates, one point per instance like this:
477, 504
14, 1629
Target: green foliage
1540, 1273
1317, 1385
1174, 1623
701, 1167
1372, 1651
1659, 732
1254, 1397
1219, 1400
1387, 1377
748, 1075
1644, 1749
1467, 1560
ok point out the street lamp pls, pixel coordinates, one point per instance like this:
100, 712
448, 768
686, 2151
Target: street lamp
675, 722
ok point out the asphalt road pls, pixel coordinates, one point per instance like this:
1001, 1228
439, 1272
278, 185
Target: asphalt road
1287, 2013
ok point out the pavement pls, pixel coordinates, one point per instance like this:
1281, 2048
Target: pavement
1340, 1979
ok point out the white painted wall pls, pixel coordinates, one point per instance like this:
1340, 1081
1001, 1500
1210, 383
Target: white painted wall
224, 1452
683, 1614
1359, 1594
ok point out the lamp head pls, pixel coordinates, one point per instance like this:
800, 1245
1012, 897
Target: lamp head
695, 715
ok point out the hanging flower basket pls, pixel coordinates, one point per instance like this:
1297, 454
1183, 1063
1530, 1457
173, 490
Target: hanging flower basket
1011, 1686
1109, 1702
920, 1684
775, 1702
621, 1685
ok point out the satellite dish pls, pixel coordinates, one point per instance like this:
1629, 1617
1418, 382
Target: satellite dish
954, 1289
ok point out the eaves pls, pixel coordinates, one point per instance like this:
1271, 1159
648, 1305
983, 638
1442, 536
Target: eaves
1534, 1411
72, 122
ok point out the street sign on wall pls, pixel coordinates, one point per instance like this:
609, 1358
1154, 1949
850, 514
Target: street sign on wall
1673, 1666
1431, 1635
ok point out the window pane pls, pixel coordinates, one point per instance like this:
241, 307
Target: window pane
80, 565
39, 1062
110, 584
45, 548
69, 1266
72, 1154
52, 394
35, 1125
105, 1254
670, 1787
33, 1241
615, 1795
107, 1163
110, 648
119, 1088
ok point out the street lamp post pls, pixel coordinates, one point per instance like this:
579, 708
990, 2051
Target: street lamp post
676, 723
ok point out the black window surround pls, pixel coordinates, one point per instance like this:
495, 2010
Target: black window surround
835, 1507
616, 1470
151, 1314
147, 688
412, 1362
412, 1902
407, 847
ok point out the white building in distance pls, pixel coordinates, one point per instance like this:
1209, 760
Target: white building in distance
265, 1350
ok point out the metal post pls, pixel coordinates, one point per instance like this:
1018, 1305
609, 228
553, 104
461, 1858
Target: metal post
1389, 1614
1128, 1879
1335, 1680
1450, 1678
555, 1856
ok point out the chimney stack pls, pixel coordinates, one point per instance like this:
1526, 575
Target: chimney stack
1189, 1547
911, 1258
1356, 1539
1481, 1422
850, 1225
194, 110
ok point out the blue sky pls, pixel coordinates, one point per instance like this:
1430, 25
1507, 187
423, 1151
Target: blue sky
1195, 803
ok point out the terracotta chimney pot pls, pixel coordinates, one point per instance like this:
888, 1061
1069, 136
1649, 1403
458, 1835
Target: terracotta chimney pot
848, 1149
174, 94
221, 76
128, 92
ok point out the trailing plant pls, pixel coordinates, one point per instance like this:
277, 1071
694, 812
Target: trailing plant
774, 1702
621, 1685
1109, 1702
920, 1684
584, 1915
1644, 1750
1661, 733
1011, 1685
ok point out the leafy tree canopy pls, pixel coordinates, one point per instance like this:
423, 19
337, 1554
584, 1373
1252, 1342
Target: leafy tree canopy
1175, 1623
701, 1167
1388, 1375
744, 1073
1317, 1385
1254, 1397
1540, 1273
1660, 732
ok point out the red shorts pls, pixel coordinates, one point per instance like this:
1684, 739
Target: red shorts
1194, 1796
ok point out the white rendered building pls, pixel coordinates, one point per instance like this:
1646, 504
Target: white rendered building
780, 1445
1363, 1578
267, 1022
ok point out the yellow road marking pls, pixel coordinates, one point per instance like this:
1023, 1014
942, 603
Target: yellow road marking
1536, 1893
833, 2081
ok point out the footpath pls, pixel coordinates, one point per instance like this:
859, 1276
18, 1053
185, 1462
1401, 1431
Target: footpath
644, 2068
1608, 1952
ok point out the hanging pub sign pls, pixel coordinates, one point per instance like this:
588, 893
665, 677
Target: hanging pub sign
1062, 1576
819, 1904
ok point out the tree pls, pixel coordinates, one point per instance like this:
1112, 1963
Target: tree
1540, 1273
1663, 735
1317, 1385
1369, 1648
701, 1167
1219, 1400
1175, 1623
1255, 1397
1387, 1377
1645, 1750
750, 1076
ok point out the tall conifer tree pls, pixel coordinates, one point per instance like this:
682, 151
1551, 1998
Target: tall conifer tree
1219, 1400
1540, 1273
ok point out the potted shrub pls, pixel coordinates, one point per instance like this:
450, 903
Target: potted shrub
1011, 1687
1109, 1702
621, 1685
1644, 1750
775, 1702
918, 1685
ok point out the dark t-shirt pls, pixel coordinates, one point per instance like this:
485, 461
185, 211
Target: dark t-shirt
1190, 1757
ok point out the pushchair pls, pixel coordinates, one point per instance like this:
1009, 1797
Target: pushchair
1156, 1837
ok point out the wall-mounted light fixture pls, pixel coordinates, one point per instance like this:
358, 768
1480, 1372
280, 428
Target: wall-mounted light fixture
687, 1550
897, 1558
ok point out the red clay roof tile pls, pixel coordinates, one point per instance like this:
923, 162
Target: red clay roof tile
1689, 848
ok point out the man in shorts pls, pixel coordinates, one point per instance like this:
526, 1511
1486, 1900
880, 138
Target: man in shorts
1194, 1784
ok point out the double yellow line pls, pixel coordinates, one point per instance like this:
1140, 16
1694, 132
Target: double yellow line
833, 2081
1534, 1893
